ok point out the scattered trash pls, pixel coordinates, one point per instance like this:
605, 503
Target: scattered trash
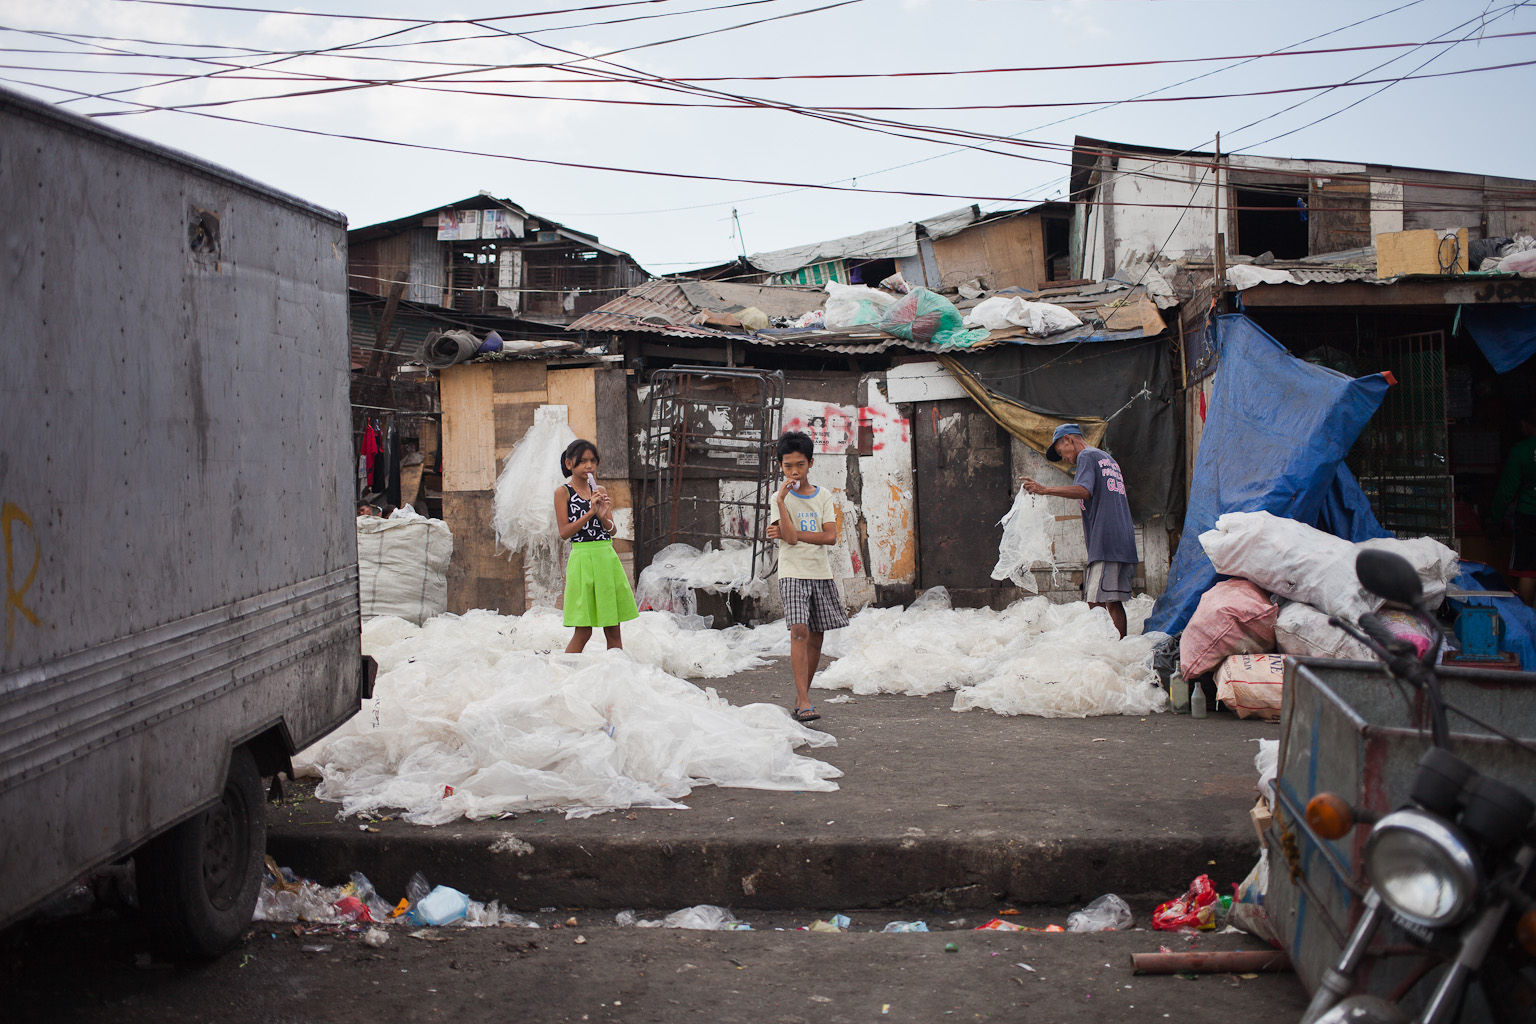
677, 570
1108, 913
1248, 962
843, 699
950, 947
1028, 968
1196, 909
906, 926
997, 924
376, 938
580, 940
704, 917
426, 935
316, 949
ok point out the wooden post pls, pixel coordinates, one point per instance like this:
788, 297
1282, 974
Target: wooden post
1219, 257
381, 332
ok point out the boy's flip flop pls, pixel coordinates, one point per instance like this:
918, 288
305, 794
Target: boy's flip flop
805, 714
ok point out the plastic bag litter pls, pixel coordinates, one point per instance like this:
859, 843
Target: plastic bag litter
1032, 658
854, 305
906, 926
1108, 913
922, 315
677, 570
704, 918
463, 724
1026, 542
1041, 319
523, 513
1267, 763
1195, 909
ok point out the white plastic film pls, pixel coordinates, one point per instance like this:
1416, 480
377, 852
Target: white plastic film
523, 514
1026, 542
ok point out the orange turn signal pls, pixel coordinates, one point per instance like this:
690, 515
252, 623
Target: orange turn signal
1525, 932
1329, 816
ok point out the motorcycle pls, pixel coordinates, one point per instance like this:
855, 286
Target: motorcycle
1451, 868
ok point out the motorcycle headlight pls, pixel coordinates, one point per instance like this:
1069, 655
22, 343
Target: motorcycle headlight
1423, 868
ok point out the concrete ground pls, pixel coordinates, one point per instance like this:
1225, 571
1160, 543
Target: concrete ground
91, 972
936, 809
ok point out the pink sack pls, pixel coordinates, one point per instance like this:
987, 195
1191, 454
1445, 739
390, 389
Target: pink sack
1234, 617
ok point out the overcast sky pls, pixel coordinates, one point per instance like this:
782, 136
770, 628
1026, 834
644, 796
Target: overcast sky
1477, 122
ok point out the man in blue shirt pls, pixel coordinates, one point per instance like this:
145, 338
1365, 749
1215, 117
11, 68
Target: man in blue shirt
1107, 528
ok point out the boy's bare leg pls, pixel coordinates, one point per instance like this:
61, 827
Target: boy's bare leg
614, 637
813, 641
799, 662
579, 640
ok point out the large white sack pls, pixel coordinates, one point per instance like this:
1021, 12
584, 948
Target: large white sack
1290, 559
854, 305
1039, 318
402, 566
1302, 629
523, 513
1026, 542
1306, 564
464, 724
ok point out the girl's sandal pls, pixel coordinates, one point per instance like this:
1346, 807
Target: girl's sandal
805, 714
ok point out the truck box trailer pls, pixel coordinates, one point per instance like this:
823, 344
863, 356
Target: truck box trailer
177, 491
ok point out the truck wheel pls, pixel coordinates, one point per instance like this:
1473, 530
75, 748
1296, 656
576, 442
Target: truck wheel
198, 882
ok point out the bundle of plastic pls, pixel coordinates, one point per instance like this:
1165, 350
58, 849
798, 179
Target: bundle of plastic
524, 509
462, 724
668, 583
402, 565
853, 305
1026, 542
1302, 629
1032, 658
922, 315
1041, 319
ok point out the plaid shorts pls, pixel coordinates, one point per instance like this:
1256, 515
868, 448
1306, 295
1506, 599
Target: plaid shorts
816, 603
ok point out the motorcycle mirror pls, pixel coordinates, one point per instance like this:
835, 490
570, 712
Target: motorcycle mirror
1389, 575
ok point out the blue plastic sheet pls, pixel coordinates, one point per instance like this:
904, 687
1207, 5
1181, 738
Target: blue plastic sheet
1519, 621
1506, 334
1275, 437
1347, 511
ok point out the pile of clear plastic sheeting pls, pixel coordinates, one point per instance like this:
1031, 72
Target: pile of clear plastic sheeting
1032, 658
668, 583
523, 513
464, 723
1026, 542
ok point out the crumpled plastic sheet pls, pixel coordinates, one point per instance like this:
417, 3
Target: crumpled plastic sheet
523, 511
1032, 658
464, 723
1108, 913
677, 570
1026, 542
704, 917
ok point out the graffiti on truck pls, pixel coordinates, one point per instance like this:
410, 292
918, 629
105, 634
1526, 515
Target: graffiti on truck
15, 603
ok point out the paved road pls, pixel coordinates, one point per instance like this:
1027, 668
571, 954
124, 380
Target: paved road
84, 971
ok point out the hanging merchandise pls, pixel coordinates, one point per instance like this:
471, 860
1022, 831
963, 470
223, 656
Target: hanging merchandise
369, 449
1026, 542
392, 483
524, 508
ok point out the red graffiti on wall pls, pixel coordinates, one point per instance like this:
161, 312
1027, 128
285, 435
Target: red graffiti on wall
834, 430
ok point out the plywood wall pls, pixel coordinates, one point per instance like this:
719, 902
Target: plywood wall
1002, 254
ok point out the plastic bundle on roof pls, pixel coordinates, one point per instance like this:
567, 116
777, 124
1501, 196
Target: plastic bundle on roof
524, 508
463, 725
1034, 657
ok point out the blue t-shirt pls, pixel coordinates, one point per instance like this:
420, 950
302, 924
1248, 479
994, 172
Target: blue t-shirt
1107, 527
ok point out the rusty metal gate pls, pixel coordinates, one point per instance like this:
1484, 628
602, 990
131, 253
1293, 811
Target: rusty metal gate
1402, 457
707, 456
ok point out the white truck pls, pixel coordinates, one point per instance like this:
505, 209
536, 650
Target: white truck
177, 538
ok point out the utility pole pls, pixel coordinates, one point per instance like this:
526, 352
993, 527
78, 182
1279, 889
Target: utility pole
1219, 256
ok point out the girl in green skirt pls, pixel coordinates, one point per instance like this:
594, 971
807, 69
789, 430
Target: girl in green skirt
596, 590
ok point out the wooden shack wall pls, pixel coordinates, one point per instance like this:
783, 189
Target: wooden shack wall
1004, 253
487, 408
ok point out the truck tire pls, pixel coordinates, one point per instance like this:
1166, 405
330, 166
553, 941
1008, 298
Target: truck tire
198, 882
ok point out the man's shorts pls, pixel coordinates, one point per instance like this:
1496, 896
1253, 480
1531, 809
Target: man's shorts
1522, 558
816, 603
1108, 582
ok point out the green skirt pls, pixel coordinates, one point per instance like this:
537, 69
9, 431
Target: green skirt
596, 590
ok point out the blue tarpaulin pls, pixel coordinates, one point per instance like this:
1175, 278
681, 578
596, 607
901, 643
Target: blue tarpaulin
1275, 438
1347, 511
1519, 620
1506, 334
